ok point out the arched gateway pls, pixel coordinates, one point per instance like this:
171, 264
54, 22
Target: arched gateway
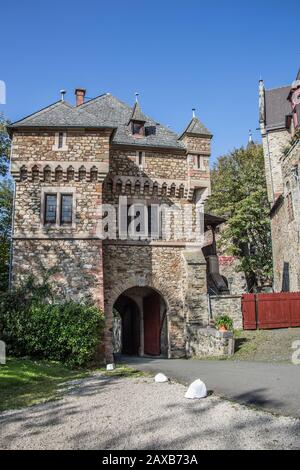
140, 323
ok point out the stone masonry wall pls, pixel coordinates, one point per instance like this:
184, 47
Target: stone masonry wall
159, 267
197, 144
286, 232
82, 146
209, 342
228, 305
273, 146
158, 165
76, 266
72, 249
236, 279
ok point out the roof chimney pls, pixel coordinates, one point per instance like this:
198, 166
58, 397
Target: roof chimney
80, 94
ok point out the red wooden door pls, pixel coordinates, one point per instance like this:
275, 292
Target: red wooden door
151, 309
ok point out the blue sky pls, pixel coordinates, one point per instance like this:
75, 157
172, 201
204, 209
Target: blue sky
177, 54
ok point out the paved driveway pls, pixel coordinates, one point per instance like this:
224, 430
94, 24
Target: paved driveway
273, 387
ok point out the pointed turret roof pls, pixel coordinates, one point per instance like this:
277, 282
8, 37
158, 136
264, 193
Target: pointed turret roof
137, 114
195, 127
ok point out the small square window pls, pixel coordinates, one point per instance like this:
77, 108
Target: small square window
50, 208
66, 209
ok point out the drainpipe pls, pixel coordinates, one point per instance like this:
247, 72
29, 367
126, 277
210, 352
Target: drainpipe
209, 308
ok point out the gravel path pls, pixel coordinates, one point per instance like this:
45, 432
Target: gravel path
130, 413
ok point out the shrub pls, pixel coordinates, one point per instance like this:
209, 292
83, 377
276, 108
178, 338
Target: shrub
64, 331
224, 320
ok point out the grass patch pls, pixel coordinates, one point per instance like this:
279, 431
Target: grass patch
122, 370
25, 382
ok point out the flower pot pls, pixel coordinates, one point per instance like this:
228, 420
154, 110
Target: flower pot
223, 328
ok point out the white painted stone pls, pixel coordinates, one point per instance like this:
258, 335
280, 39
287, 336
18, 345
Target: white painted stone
160, 378
197, 389
110, 367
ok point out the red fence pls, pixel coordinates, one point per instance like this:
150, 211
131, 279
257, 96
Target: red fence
276, 310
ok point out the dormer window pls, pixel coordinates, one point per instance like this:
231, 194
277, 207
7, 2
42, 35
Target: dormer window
137, 128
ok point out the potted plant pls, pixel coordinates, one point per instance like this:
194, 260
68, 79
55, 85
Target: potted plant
224, 323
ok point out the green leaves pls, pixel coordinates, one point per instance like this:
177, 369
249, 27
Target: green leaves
33, 323
239, 194
4, 147
6, 202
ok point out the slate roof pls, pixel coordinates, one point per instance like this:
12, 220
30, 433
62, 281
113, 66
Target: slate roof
59, 114
107, 111
110, 110
277, 107
196, 127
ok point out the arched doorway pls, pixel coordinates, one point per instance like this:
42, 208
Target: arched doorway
141, 313
129, 324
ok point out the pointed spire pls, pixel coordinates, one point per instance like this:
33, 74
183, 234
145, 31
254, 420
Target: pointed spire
261, 97
250, 139
137, 114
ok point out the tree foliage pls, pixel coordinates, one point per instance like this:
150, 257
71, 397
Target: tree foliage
6, 202
239, 194
35, 322
4, 147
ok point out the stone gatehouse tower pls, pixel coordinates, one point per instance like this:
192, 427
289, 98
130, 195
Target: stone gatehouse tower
69, 160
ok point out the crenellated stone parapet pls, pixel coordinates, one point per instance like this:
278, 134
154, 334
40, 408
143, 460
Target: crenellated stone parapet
54, 171
131, 185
